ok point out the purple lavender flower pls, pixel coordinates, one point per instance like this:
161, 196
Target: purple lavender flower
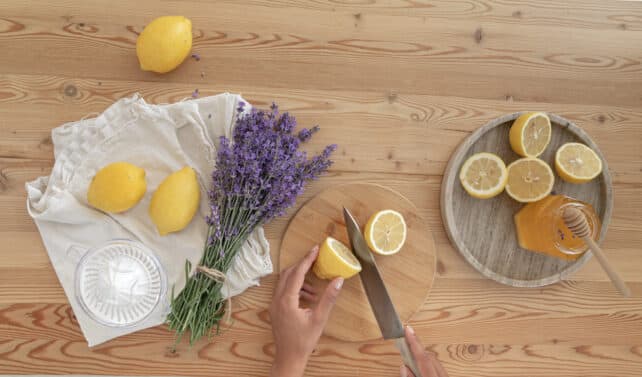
261, 171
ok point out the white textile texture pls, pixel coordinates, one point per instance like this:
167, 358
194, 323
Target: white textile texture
160, 139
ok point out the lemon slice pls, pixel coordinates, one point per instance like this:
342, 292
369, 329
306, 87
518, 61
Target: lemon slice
529, 180
385, 232
335, 260
483, 175
530, 134
577, 163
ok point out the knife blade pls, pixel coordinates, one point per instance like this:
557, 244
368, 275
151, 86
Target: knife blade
378, 297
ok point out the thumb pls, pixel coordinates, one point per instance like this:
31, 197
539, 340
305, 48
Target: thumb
329, 297
405, 372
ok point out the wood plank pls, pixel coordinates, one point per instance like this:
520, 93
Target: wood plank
456, 311
430, 58
413, 134
458, 314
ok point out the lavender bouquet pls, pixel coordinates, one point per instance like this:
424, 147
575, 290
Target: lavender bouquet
258, 175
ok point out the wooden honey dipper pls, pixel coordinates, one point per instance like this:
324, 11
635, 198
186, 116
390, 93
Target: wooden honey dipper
576, 222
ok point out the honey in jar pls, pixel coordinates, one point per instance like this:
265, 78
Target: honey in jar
540, 227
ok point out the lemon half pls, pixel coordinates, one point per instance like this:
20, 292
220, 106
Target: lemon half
335, 260
385, 232
529, 180
577, 163
530, 134
483, 175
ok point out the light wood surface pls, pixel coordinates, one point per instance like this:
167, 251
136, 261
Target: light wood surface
492, 247
398, 85
408, 275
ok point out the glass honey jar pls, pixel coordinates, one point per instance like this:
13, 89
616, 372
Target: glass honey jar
541, 228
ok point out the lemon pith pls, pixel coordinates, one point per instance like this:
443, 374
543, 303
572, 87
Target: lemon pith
335, 260
529, 179
577, 163
530, 134
385, 232
483, 175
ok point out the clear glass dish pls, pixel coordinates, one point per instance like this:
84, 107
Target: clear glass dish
120, 283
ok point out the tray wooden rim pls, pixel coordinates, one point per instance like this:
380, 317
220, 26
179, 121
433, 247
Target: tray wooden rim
450, 179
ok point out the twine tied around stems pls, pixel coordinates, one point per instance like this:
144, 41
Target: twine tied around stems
219, 277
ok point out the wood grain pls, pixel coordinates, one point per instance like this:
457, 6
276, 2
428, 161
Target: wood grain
408, 275
398, 84
493, 248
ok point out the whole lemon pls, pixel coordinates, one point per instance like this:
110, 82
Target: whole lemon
175, 202
117, 187
164, 43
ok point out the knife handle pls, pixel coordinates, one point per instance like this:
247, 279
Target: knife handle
407, 356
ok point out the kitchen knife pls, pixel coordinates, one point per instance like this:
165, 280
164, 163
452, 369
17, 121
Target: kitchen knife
382, 307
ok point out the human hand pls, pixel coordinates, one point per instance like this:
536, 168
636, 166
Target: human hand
427, 363
297, 330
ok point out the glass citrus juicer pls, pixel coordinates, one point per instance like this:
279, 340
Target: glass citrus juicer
119, 283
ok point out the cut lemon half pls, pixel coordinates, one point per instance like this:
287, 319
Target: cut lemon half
577, 163
335, 260
385, 232
530, 134
483, 175
529, 180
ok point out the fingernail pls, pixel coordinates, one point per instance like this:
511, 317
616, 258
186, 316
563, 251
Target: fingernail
411, 330
403, 372
338, 284
314, 249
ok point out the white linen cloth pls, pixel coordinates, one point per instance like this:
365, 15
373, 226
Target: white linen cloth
161, 139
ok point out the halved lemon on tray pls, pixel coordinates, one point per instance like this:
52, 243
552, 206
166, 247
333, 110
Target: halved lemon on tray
385, 232
530, 134
335, 260
529, 180
483, 175
577, 163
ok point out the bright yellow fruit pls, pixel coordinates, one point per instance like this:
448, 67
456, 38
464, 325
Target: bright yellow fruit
529, 180
175, 202
164, 43
117, 187
530, 134
385, 232
483, 175
577, 163
335, 260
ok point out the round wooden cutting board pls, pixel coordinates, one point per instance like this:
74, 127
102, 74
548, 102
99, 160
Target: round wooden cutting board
408, 275
484, 230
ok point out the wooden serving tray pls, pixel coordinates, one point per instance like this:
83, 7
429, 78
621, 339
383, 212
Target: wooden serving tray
408, 275
484, 231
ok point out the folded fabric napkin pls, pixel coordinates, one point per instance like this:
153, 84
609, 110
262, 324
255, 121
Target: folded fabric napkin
161, 139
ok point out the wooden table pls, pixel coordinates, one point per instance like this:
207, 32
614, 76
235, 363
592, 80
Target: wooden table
398, 84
